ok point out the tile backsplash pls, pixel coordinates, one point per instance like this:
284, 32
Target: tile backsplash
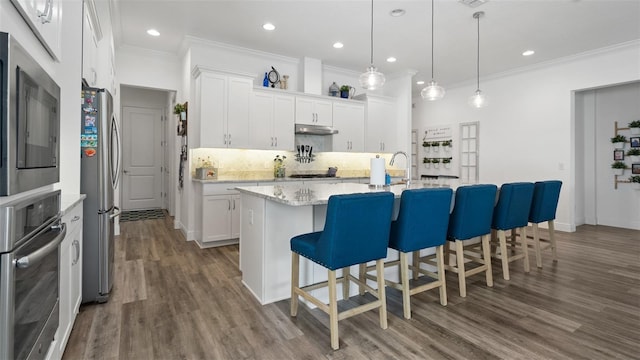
229, 161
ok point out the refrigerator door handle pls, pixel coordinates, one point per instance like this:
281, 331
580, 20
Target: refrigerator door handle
116, 212
116, 178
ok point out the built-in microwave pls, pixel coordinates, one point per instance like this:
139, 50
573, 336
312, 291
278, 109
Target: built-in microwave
29, 121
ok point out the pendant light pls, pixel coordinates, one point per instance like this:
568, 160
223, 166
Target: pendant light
478, 100
371, 79
433, 91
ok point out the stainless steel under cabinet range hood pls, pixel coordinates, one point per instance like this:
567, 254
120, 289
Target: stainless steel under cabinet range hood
314, 129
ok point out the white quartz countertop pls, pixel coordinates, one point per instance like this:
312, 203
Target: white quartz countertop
318, 194
68, 201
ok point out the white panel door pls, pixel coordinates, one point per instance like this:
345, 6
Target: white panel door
142, 158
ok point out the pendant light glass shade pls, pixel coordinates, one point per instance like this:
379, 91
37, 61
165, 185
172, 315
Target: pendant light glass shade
433, 91
478, 100
372, 79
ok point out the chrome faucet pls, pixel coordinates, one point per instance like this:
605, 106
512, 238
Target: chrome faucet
407, 173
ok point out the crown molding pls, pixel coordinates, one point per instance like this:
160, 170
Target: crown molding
189, 41
149, 52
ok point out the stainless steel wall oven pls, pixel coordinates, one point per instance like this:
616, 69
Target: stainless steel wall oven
30, 236
29, 121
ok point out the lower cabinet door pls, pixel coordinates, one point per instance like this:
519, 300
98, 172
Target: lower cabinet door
235, 216
216, 217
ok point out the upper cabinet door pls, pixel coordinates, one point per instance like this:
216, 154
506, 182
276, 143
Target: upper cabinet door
304, 110
260, 131
349, 120
283, 122
313, 111
211, 94
239, 99
324, 112
44, 17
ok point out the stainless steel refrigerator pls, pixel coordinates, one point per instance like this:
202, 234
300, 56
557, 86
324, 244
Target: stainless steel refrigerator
100, 169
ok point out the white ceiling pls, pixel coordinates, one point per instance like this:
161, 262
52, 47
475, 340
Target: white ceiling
553, 28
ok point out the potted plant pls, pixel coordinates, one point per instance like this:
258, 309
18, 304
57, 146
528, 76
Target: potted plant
180, 109
446, 145
278, 166
634, 154
344, 91
634, 126
447, 163
618, 167
435, 146
635, 181
427, 162
618, 141
436, 163
426, 145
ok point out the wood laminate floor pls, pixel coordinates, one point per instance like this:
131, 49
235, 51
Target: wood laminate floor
172, 300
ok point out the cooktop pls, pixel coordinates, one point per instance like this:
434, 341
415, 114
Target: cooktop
309, 176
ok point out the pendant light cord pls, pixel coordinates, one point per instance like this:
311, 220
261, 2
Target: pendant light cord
478, 58
371, 32
432, 40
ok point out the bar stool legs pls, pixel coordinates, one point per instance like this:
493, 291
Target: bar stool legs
460, 267
537, 242
295, 282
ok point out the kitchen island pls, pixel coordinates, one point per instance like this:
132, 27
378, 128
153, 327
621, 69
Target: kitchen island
272, 215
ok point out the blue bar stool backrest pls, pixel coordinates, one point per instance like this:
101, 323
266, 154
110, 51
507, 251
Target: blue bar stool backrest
472, 211
514, 203
356, 229
422, 221
545, 201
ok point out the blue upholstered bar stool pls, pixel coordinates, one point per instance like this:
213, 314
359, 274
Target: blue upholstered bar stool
356, 231
543, 208
512, 212
422, 223
471, 218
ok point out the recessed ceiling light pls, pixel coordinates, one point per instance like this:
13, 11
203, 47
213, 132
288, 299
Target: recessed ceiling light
338, 45
391, 59
397, 12
269, 26
153, 32
420, 82
528, 53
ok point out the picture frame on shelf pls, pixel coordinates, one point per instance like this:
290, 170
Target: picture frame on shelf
618, 155
635, 142
635, 169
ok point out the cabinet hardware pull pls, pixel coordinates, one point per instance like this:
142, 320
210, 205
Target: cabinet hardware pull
76, 244
229, 204
45, 16
234, 204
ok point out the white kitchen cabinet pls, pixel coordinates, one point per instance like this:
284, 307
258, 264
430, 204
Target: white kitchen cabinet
348, 119
313, 111
70, 275
44, 17
219, 220
272, 121
216, 218
221, 118
90, 34
381, 123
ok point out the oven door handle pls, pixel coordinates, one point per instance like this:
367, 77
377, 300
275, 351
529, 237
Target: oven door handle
26, 261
